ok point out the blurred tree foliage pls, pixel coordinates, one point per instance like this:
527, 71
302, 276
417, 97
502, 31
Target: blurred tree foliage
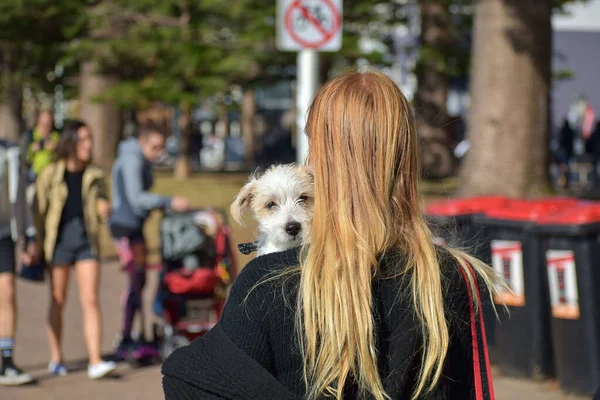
33, 38
175, 50
181, 51
38, 31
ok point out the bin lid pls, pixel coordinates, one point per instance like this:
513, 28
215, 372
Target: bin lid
584, 213
530, 210
465, 206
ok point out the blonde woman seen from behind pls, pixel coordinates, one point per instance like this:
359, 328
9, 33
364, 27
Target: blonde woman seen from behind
371, 308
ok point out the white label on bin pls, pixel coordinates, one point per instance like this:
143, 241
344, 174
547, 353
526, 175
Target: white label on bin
562, 279
507, 261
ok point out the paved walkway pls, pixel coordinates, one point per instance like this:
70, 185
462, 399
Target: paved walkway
143, 383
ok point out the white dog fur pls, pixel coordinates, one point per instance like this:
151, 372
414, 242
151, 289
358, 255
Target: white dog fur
282, 201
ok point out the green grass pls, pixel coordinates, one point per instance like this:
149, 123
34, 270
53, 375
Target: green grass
218, 190
445, 187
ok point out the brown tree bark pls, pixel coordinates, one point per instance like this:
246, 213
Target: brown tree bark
11, 123
248, 112
103, 117
182, 167
11, 94
510, 83
432, 91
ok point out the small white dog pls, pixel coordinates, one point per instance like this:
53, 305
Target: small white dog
282, 201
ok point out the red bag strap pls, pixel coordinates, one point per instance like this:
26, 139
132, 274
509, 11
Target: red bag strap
479, 355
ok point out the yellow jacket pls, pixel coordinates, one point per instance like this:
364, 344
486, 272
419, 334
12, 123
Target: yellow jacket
41, 158
51, 194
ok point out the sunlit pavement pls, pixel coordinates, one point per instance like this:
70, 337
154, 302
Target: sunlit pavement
132, 383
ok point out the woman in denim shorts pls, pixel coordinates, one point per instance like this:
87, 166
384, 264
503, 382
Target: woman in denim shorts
72, 203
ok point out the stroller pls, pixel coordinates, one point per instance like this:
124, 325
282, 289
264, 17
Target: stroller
198, 265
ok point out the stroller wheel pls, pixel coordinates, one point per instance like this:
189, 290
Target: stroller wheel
172, 343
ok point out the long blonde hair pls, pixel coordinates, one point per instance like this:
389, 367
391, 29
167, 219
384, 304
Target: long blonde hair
363, 149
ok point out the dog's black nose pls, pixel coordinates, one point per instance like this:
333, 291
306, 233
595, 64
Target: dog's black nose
292, 228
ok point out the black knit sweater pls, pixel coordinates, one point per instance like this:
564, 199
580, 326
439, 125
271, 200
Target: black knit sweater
260, 322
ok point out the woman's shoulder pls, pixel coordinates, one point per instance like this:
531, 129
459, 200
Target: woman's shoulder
94, 171
267, 266
456, 291
48, 173
260, 284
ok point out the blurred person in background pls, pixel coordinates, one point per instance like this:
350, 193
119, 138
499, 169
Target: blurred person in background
16, 226
566, 142
593, 147
39, 144
71, 204
132, 179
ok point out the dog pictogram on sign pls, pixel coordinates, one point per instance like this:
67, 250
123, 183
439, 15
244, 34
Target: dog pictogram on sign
309, 24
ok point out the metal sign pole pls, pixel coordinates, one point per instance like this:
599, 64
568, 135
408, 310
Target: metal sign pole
306, 88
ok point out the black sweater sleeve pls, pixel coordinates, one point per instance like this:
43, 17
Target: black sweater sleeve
245, 317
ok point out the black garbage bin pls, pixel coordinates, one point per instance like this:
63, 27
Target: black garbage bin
452, 222
571, 248
523, 346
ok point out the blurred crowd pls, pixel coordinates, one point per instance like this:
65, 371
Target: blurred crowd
52, 202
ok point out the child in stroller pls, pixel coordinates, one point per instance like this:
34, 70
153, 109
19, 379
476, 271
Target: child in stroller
198, 264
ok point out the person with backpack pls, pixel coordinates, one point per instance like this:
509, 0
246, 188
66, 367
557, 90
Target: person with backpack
132, 203
16, 225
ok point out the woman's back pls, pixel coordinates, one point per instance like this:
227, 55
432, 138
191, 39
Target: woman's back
260, 321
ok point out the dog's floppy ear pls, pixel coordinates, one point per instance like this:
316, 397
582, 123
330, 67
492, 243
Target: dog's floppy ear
242, 201
308, 170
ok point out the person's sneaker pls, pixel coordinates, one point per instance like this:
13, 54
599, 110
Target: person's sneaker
13, 376
57, 369
101, 369
125, 349
144, 349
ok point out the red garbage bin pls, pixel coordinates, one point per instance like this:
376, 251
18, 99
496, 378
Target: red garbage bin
452, 220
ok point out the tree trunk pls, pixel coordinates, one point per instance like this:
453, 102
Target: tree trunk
182, 168
432, 91
103, 117
510, 84
325, 66
540, 178
248, 112
11, 123
11, 94
222, 122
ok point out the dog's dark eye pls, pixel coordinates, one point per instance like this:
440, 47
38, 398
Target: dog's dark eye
271, 204
302, 199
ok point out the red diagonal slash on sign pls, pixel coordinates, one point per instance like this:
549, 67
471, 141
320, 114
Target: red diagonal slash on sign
327, 35
312, 19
